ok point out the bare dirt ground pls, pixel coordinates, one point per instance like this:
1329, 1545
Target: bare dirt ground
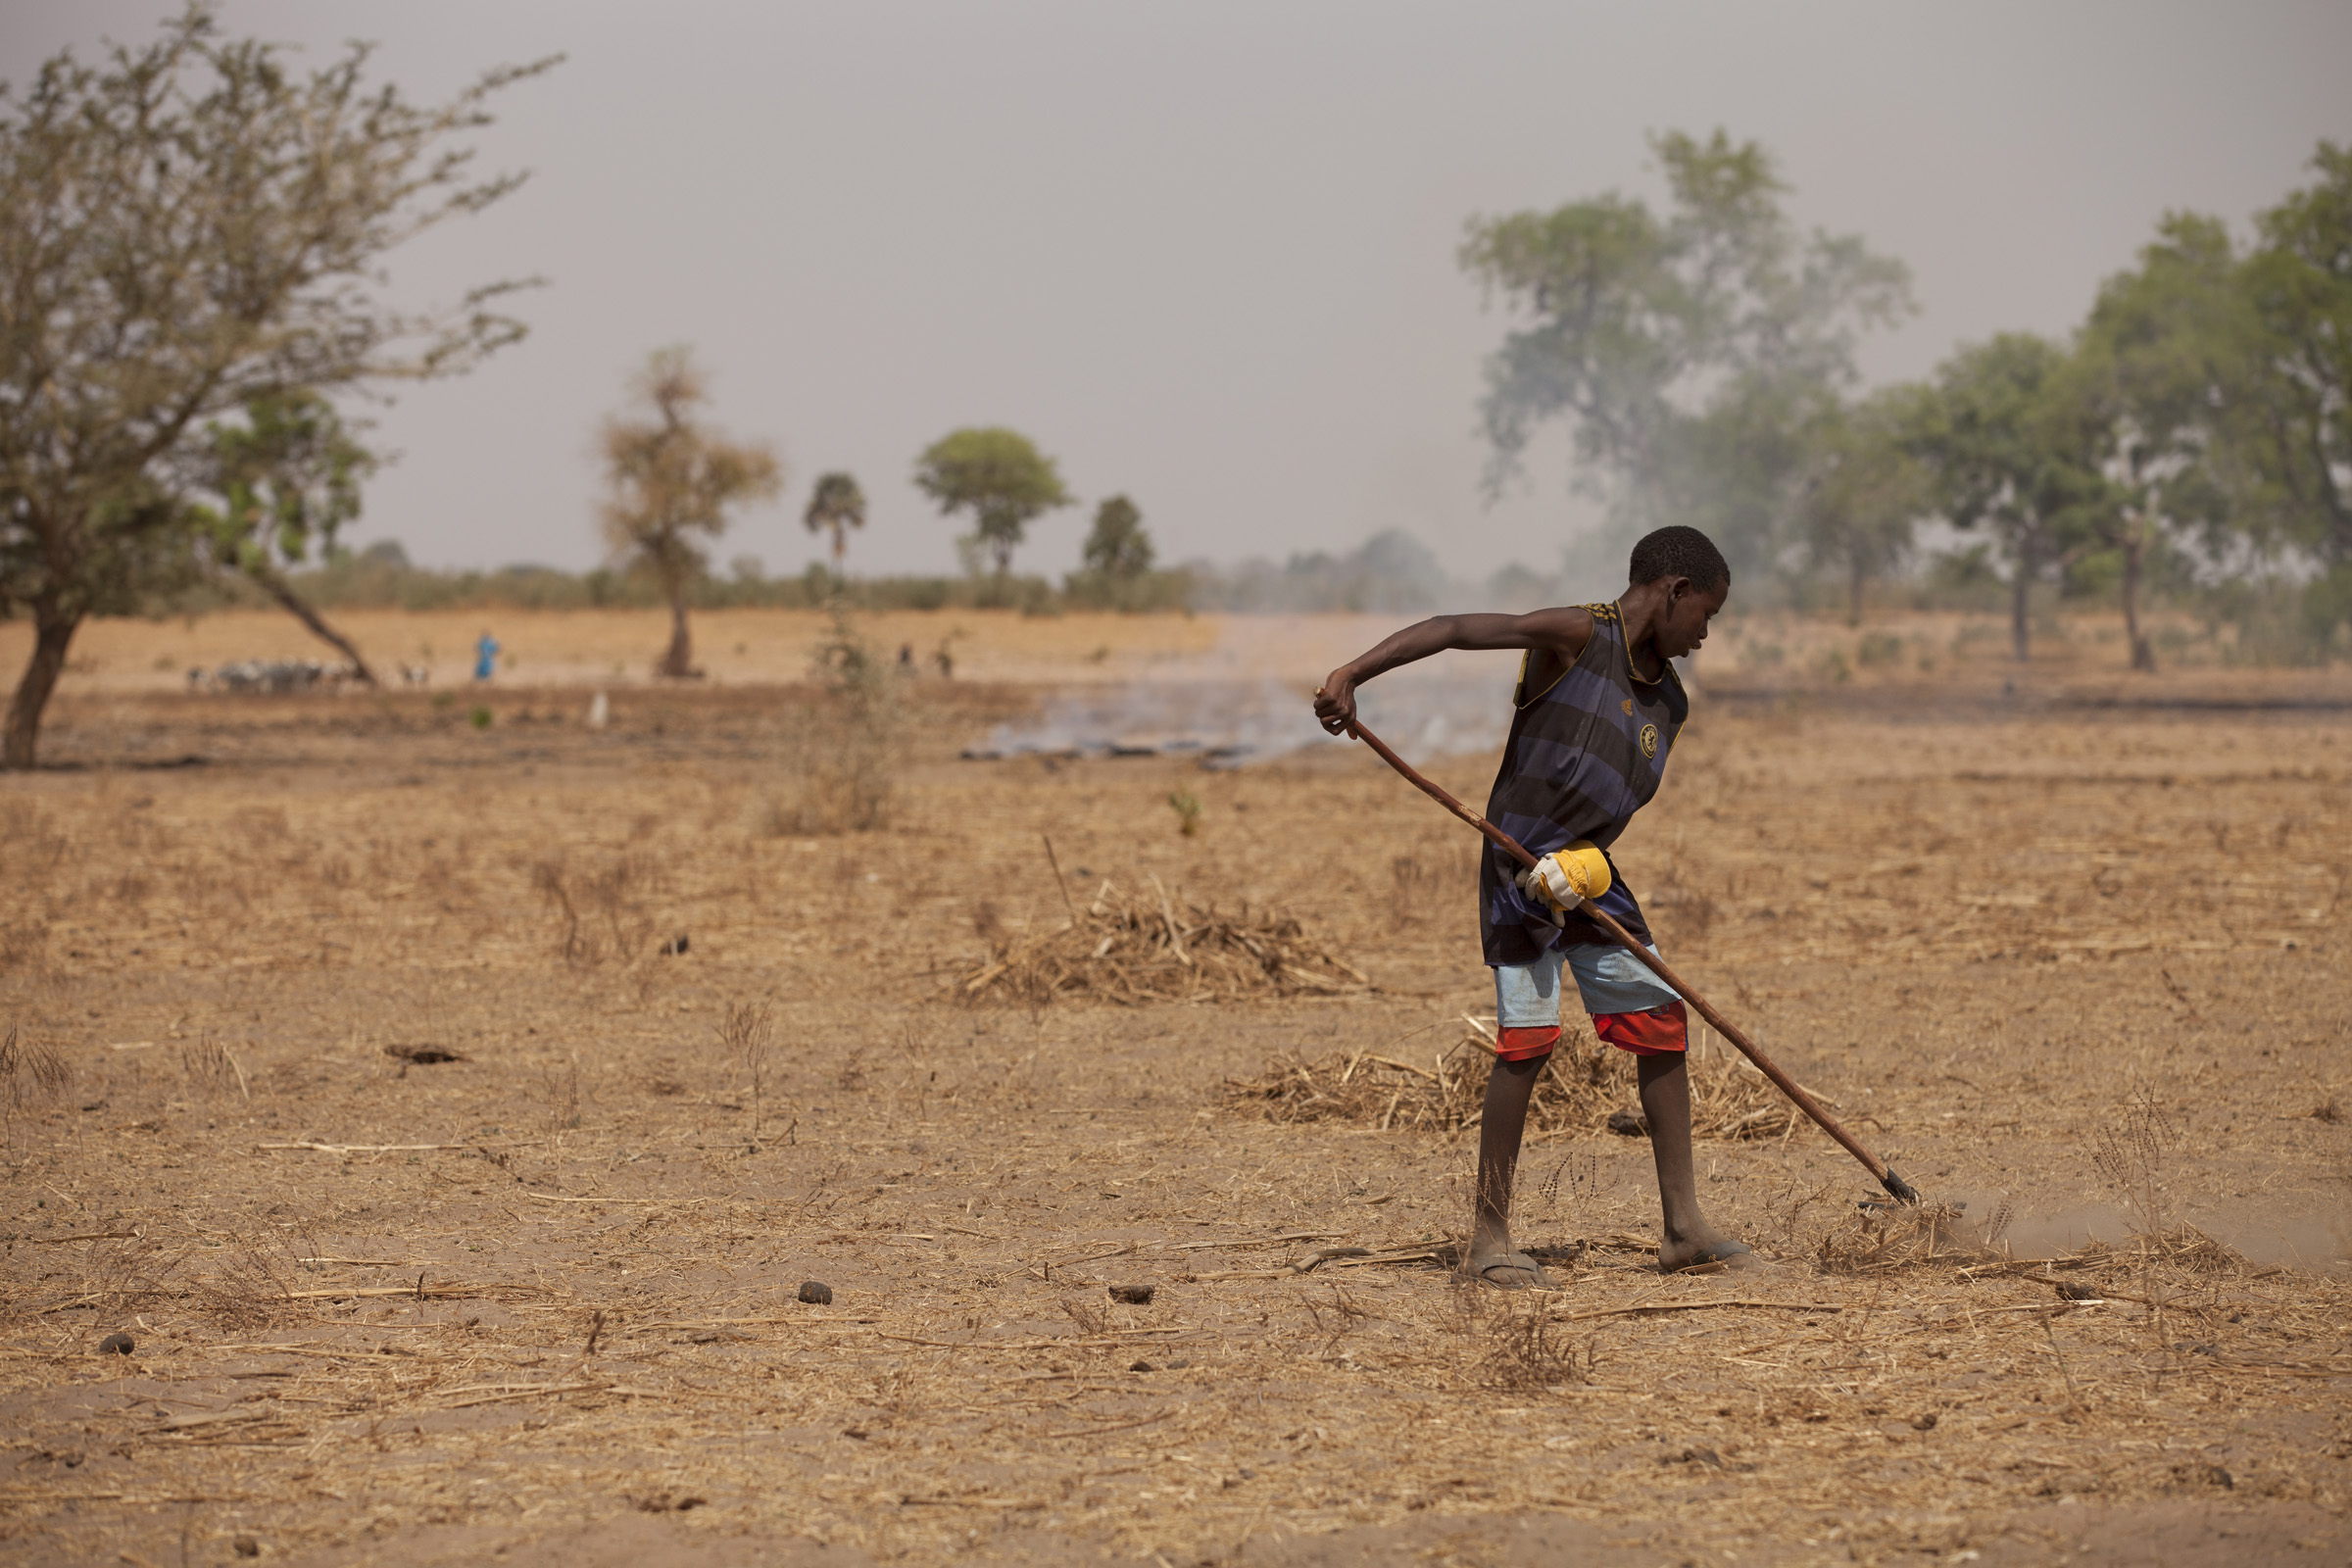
453, 1220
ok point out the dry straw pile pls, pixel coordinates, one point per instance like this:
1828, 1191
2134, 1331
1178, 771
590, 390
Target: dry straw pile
1586, 1087
1133, 950
1890, 1237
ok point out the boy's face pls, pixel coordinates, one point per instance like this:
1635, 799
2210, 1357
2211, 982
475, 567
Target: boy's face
1684, 626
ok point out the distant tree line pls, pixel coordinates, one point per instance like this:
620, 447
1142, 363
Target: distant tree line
2193, 437
195, 234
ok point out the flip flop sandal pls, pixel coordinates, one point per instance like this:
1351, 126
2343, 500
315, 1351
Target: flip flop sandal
1715, 1259
1516, 1263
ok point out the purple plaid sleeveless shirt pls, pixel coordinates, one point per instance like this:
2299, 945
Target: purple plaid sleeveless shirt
1585, 754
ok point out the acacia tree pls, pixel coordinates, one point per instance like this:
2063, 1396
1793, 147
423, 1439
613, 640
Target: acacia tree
838, 504
192, 229
999, 477
285, 478
673, 477
2008, 447
1863, 492
2297, 433
1689, 351
2163, 368
1116, 546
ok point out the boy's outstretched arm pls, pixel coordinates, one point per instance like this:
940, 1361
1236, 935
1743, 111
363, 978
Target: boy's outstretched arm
1548, 634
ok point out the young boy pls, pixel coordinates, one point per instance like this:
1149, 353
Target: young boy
1597, 709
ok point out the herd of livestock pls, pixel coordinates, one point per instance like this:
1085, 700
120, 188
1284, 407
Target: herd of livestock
273, 677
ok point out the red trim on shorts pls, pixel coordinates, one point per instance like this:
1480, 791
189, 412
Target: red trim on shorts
1523, 1044
1659, 1031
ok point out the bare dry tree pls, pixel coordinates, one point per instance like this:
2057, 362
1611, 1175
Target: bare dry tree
673, 477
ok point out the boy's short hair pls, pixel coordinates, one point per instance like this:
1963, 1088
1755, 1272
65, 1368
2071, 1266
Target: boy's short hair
1680, 551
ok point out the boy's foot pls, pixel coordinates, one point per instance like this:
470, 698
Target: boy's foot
1676, 1257
1506, 1270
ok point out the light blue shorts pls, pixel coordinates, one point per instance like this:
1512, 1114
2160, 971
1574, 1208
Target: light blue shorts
1608, 979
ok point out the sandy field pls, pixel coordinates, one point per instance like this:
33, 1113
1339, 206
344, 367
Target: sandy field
617, 648
449, 1099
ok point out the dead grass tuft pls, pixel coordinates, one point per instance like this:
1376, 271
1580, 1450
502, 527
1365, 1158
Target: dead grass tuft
251, 1285
1890, 1238
745, 1032
30, 1071
1134, 950
561, 1084
1517, 1346
118, 1276
2185, 1247
210, 1069
1585, 1088
603, 913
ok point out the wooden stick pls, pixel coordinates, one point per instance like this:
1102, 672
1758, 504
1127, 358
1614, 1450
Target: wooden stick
1509, 845
1699, 1306
1055, 860
1901, 1190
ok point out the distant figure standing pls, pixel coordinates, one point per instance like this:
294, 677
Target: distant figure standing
485, 658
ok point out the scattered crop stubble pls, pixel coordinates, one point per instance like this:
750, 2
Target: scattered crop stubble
398, 1305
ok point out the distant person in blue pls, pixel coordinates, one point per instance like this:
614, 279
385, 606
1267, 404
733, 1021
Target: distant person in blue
485, 658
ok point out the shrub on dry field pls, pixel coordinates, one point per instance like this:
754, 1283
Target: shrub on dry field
1586, 1087
843, 758
1133, 950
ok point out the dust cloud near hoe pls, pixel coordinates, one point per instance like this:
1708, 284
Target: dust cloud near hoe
1020, 783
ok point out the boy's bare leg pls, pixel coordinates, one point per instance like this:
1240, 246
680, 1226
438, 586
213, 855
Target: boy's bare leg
1491, 1259
1665, 1081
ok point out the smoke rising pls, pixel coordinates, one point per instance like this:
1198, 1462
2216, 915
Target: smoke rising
1233, 724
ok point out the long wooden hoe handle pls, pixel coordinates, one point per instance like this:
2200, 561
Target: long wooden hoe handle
1897, 1187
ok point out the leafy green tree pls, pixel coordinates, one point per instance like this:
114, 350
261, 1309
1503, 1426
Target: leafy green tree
837, 504
2299, 438
284, 479
1863, 492
2006, 446
1689, 351
1117, 546
2163, 370
193, 229
672, 477
997, 476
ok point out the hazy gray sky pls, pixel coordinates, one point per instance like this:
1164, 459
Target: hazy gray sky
1203, 252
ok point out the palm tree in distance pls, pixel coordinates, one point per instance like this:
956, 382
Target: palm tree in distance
837, 504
